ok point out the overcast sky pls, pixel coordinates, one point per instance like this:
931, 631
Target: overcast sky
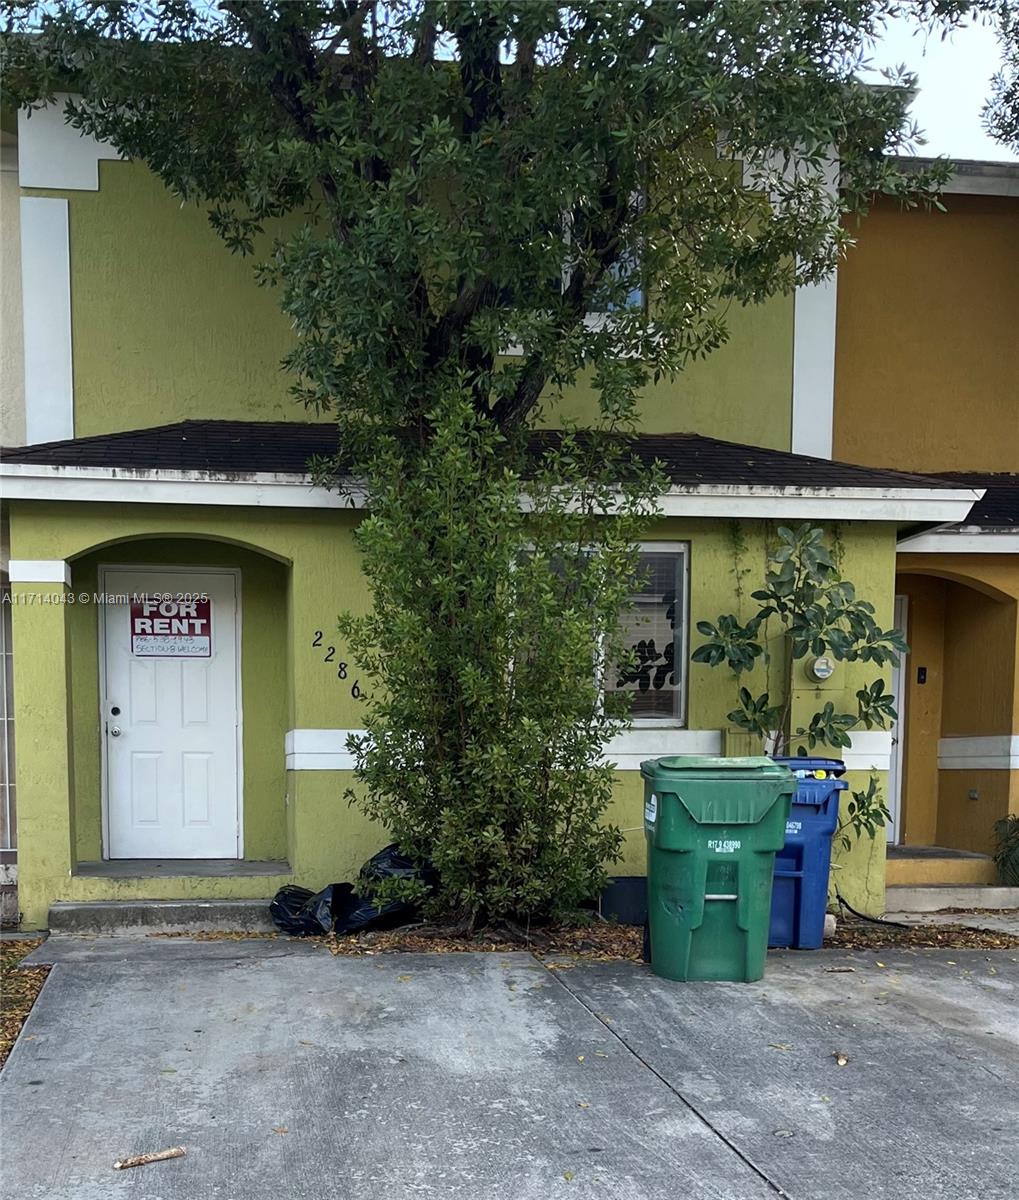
954, 81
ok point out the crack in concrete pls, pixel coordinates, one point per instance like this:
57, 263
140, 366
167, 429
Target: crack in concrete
749, 1162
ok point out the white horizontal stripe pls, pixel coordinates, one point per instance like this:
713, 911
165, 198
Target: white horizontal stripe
39, 570
871, 751
320, 762
326, 749
31, 481
634, 746
995, 752
319, 749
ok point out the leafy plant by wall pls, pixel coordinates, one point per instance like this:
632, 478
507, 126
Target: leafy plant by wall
1006, 854
818, 613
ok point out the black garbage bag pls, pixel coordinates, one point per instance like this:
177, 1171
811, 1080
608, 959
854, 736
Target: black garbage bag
360, 913
303, 913
389, 863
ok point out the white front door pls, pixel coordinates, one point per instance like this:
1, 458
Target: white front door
893, 829
171, 715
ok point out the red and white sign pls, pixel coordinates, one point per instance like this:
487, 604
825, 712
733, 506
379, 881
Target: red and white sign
163, 627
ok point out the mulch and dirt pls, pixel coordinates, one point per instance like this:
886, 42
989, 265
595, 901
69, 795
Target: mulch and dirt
869, 935
609, 942
19, 987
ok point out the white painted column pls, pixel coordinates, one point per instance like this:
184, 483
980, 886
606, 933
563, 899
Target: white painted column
46, 306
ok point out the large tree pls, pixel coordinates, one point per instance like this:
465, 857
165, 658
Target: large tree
464, 206
1002, 111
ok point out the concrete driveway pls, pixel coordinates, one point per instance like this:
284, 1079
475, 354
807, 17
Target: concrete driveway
290, 1074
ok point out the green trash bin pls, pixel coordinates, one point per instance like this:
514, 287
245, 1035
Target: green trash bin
713, 826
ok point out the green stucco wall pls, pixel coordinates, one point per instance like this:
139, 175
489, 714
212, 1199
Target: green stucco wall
741, 392
168, 325
300, 569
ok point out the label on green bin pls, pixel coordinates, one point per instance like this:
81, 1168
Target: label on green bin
725, 845
651, 809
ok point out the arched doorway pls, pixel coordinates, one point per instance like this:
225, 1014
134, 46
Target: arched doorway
179, 703
959, 701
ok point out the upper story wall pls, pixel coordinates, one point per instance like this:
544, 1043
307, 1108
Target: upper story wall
166, 323
12, 362
163, 323
927, 351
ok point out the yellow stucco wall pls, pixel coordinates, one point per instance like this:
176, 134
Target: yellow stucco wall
927, 358
964, 628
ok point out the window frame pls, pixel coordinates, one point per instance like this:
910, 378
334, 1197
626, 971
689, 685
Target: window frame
679, 721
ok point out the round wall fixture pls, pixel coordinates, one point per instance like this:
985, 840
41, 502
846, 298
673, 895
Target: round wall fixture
821, 668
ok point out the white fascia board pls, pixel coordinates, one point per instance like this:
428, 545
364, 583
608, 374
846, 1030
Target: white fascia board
30, 481
963, 539
832, 504
259, 489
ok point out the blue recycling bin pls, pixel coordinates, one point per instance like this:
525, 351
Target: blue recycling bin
799, 896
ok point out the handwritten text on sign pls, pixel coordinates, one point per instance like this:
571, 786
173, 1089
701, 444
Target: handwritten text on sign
162, 628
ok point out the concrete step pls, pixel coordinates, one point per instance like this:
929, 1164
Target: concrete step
906, 899
160, 916
933, 869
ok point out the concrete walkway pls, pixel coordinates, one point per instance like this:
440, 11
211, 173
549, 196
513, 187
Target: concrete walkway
291, 1074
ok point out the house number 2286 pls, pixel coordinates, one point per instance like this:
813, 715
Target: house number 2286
341, 667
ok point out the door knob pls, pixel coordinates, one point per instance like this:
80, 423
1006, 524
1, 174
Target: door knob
115, 731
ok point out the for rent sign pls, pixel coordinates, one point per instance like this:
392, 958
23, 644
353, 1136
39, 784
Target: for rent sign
171, 627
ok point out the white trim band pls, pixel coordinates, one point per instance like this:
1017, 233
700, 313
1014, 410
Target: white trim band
259, 489
632, 747
326, 749
995, 752
871, 751
39, 570
319, 749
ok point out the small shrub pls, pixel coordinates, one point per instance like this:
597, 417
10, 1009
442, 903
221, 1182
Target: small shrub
1006, 856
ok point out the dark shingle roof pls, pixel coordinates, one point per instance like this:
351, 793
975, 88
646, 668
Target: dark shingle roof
999, 508
284, 447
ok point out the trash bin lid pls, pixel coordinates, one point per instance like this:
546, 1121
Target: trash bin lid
807, 767
710, 762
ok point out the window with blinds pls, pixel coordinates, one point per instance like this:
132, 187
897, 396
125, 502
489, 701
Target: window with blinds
655, 630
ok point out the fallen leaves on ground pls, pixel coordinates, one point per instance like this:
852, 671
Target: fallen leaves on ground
597, 943
867, 935
214, 935
19, 987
